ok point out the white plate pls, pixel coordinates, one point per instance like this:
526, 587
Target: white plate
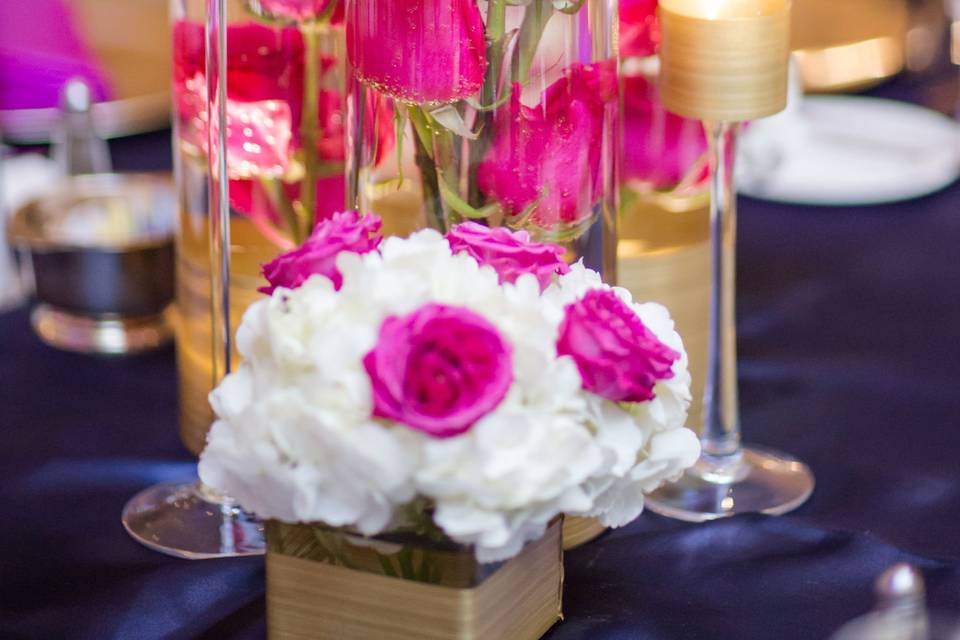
849, 151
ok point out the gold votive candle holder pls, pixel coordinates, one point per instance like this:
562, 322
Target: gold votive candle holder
725, 60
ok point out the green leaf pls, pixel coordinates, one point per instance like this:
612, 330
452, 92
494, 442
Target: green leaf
567, 6
461, 206
450, 118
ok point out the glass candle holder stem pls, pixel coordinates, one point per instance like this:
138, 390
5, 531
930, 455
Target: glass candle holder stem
725, 62
729, 478
720, 436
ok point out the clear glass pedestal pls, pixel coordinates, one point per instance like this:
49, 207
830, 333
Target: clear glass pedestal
755, 480
187, 520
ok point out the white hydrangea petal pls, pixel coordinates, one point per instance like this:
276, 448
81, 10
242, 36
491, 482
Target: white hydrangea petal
234, 393
668, 455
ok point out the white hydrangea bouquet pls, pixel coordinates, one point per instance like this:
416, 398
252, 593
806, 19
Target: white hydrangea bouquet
474, 375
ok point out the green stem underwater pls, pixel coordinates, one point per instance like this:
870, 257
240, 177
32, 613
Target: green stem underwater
423, 143
309, 121
274, 190
496, 24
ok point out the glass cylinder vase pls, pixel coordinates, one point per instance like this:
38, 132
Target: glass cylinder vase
258, 141
664, 248
285, 155
498, 112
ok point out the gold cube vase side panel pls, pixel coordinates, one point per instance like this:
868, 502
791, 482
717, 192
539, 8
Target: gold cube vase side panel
310, 599
578, 531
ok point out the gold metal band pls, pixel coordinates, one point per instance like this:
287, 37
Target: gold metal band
726, 69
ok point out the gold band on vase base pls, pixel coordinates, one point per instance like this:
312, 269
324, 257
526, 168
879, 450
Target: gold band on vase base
358, 591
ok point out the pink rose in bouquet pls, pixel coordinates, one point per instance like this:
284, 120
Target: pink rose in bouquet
619, 358
659, 148
510, 253
549, 156
439, 369
418, 51
301, 10
639, 28
346, 231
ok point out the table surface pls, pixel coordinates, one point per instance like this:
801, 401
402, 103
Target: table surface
848, 332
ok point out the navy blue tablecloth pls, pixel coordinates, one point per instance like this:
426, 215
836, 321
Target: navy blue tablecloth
849, 330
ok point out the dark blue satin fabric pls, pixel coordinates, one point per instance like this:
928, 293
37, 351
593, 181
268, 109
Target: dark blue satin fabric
849, 324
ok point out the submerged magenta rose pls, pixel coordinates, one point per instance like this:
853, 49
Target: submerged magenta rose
659, 147
418, 51
438, 370
258, 139
549, 156
510, 253
346, 231
263, 63
639, 28
619, 358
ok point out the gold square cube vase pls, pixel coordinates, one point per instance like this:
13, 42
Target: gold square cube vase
578, 531
329, 585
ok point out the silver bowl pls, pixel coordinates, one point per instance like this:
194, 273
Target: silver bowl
100, 250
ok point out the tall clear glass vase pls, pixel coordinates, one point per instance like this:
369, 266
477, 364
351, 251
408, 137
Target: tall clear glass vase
500, 112
260, 82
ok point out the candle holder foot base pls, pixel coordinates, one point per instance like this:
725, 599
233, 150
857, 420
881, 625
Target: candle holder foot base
755, 481
185, 520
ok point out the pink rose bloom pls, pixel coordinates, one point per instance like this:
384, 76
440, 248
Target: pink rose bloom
659, 148
510, 253
418, 51
301, 10
550, 155
346, 231
619, 358
438, 370
639, 28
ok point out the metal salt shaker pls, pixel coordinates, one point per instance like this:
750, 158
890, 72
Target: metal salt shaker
77, 148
